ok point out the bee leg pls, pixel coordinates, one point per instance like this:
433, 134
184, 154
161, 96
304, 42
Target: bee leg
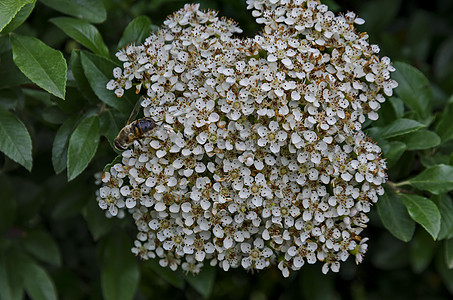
140, 143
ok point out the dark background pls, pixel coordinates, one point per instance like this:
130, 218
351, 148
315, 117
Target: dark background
417, 32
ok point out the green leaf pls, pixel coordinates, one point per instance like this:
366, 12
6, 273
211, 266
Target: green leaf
42, 246
15, 140
98, 224
421, 140
175, 278
422, 251
437, 179
20, 17
9, 8
83, 144
98, 71
79, 75
136, 31
111, 124
53, 114
60, 145
414, 89
398, 106
436, 159
393, 151
82, 32
37, 283
40, 95
424, 212
445, 273
387, 114
444, 128
394, 216
92, 11
9, 73
397, 128
10, 279
204, 281
120, 274
448, 247
41, 64
445, 204
115, 161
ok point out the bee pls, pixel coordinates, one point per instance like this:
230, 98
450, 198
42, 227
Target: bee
132, 132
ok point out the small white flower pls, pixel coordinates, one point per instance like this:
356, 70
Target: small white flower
258, 156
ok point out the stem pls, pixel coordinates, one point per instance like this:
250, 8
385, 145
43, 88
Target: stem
394, 186
401, 183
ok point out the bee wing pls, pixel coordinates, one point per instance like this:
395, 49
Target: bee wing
135, 111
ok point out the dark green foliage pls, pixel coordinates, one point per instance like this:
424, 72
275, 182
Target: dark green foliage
57, 123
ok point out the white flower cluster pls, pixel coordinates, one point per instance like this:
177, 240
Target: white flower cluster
259, 157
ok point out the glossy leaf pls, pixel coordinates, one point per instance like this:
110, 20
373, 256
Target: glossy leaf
444, 128
83, 144
9, 73
436, 159
53, 114
136, 31
11, 287
111, 123
37, 282
98, 224
204, 281
116, 160
82, 32
9, 8
15, 140
398, 106
60, 145
20, 17
424, 212
445, 273
120, 273
414, 89
42, 246
99, 71
422, 251
394, 216
387, 114
90, 10
437, 179
393, 151
421, 140
79, 75
43, 65
448, 248
398, 127
445, 204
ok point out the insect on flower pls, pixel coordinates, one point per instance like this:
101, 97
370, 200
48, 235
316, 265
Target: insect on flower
132, 132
